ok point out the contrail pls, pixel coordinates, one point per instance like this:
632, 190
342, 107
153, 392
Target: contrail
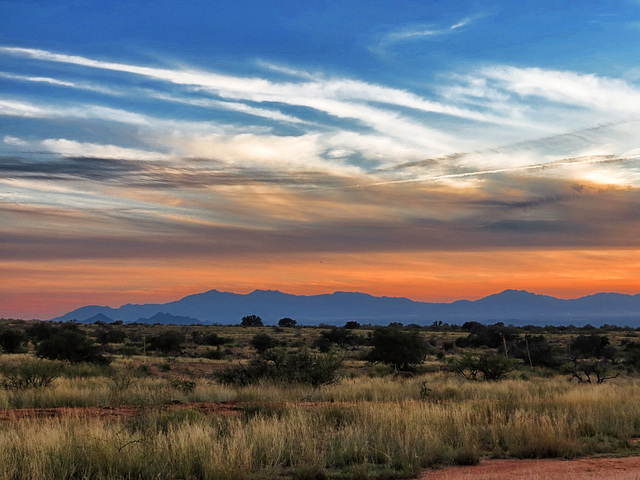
586, 160
537, 166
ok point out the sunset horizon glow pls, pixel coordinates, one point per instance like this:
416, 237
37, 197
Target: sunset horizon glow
437, 151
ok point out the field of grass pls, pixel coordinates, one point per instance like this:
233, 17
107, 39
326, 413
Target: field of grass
367, 423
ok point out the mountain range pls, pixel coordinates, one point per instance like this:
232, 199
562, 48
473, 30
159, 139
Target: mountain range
516, 307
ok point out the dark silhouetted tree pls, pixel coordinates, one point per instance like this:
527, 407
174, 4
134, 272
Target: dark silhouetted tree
12, 340
72, 345
263, 342
284, 366
251, 321
489, 366
401, 349
167, 342
592, 358
38, 331
287, 322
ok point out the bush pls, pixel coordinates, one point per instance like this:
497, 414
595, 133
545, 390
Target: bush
337, 336
215, 353
401, 349
72, 345
594, 346
108, 334
263, 342
214, 340
537, 351
493, 336
32, 374
251, 321
12, 340
39, 331
592, 356
167, 342
287, 322
490, 366
282, 366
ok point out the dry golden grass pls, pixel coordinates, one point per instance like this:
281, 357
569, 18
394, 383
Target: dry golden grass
375, 428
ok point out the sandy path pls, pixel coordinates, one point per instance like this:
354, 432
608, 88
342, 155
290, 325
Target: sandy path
627, 468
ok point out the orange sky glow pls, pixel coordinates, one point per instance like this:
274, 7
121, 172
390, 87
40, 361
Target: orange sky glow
433, 277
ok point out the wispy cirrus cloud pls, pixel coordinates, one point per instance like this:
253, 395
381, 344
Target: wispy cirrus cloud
559, 98
419, 32
382, 123
341, 164
341, 98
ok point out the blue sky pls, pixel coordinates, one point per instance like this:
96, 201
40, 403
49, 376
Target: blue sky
198, 142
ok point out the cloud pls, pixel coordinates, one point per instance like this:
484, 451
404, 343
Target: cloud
26, 78
71, 148
494, 105
324, 164
419, 32
582, 90
548, 100
341, 98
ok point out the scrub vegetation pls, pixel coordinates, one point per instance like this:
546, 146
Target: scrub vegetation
137, 401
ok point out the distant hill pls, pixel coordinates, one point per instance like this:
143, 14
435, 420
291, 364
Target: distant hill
99, 317
167, 318
516, 307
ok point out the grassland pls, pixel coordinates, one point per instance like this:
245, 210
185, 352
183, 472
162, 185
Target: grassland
366, 424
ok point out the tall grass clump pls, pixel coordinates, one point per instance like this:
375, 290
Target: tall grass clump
348, 440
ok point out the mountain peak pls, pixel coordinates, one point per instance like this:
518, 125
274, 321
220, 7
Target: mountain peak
511, 291
511, 305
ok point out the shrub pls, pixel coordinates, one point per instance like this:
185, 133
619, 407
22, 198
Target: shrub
536, 351
184, 385
251, 321
591, 356
282, 366
396, 347
490, 366
263, 342
31, 374
215, 340
337, 336
72, 345
287, 322
493, 336
108, 334
39, 330
12, 340
596, 346
215, 353
167, 342
493, 366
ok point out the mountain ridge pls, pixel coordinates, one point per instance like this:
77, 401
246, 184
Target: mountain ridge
518, 307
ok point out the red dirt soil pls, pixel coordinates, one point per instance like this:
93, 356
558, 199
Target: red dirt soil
227, 409
126, 411
627, 468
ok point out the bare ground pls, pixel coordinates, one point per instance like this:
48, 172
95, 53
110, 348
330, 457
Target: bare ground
227, 409
626, 468
126, 411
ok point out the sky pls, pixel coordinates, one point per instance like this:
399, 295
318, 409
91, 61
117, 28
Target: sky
435, 150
